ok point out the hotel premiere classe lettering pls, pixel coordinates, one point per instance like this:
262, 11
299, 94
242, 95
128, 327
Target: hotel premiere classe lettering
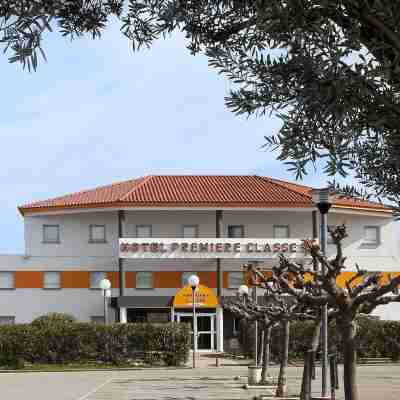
206, 247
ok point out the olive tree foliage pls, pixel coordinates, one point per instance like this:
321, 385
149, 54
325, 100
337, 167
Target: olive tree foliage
330, 70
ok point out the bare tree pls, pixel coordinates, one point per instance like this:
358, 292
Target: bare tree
362, 293
247, 311
278, 309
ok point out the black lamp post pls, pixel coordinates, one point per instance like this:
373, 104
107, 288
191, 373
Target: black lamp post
105, 286
194, 283
323, 200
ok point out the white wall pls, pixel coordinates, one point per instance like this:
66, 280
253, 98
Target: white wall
75, 251
355, 228
74, 235
27, 304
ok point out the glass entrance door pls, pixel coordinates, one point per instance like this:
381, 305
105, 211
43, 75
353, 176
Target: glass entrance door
206, 331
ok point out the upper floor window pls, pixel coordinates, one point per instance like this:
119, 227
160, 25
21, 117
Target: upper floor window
51, 280
7, 280
190, 231
7, 320
97, 233
235, 231
95, 278
235, 279
144, 280
281, 231
143, 231
51, 233
371, 235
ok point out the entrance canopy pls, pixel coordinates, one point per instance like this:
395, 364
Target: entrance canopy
204, 297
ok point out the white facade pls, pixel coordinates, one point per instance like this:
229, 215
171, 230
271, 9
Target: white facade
76, 253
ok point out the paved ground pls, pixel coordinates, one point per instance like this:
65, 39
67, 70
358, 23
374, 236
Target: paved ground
376, 382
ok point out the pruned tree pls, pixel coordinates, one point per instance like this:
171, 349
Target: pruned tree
363, 292
278, 308
247, 312
330, 70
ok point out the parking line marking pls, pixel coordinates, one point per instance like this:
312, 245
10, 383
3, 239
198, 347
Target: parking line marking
84, 397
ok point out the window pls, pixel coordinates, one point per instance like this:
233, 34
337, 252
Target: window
144, 280
95, 278
97, 233
235, 279
51, 233
143, 231
51, 280
190, 231
281, 231
7, 320
7, 280
371, 235
185, 276
97, 319
235, 231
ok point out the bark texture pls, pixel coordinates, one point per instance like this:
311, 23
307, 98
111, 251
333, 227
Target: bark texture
266, 355
308, 372
281, 390
348, 332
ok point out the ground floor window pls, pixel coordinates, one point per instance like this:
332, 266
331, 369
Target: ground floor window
97, 319
7, 320
151, 315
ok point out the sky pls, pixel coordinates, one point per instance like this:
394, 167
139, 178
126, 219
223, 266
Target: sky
98, 113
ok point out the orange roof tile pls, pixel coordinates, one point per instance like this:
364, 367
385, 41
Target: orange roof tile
340, 201
192, 191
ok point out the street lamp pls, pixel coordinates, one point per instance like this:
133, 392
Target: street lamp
105, 286
194, 283
323, 199
243, 290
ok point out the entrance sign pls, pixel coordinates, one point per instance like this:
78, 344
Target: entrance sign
210, 248
204, 297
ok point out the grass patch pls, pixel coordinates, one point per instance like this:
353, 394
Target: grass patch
87, 365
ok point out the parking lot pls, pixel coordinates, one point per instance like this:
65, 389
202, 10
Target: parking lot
381, 381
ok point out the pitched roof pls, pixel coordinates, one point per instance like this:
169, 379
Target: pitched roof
192, 191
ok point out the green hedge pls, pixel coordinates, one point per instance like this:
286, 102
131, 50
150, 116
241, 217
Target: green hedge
375, 338
79, 342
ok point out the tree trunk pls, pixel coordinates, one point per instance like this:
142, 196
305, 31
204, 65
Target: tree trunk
308, 373
266, 355
281, 390
261, 346
348, 332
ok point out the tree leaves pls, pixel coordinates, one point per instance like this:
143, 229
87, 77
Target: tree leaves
329, 70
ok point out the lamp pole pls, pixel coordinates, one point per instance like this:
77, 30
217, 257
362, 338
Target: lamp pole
107, 295
255, 326
194, 283
105, 286
323, 201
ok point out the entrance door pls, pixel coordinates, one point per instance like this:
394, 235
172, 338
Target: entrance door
206, 332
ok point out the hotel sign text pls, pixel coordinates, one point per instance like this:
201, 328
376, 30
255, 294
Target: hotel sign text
209, 248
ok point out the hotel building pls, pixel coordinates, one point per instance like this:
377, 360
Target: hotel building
148, 235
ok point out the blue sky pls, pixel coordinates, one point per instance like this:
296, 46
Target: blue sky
97, 113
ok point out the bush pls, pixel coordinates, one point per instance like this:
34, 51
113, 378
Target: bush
53, 319
375, 338
83, 342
